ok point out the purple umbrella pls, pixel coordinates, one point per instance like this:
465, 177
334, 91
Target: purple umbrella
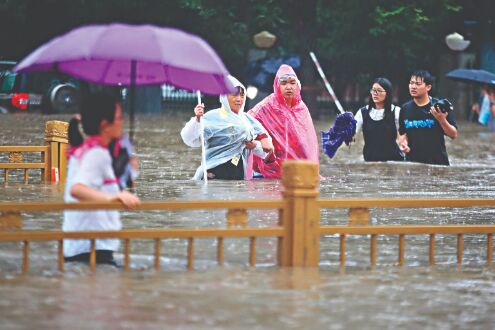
133, 55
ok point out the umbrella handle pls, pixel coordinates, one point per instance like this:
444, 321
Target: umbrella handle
327, 84
203, 148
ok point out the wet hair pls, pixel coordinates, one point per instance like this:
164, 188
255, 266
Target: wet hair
387, 87
428, 79
96, 107
75, 135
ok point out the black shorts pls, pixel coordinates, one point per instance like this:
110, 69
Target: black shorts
102, 257
227, 171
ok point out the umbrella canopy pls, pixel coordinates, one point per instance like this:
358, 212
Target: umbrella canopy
133, 55
471, 75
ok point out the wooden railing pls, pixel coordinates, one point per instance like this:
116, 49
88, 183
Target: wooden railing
298, 231
11, 215
53, 160
359, 224
16, 161
401, 231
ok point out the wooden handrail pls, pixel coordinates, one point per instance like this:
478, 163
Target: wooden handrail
22, 165
407, 230
143, 234
404, 203
24, 148
241, 204
152, 205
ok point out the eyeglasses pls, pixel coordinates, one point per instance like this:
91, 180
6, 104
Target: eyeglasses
417, 83
287, 78
377, 91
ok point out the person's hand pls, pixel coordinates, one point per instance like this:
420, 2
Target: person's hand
267, 145
134, 163
440, 116
404, 147
199, 111
475, 108
129, 200
250, 144
403, 144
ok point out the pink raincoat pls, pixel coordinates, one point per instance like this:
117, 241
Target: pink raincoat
291, 128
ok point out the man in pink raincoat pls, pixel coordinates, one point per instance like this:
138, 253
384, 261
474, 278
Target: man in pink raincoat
288, 121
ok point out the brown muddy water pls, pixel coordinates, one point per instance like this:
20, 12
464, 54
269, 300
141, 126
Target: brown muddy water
236, 297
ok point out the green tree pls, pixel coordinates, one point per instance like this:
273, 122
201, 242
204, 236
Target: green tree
355, 40
383, 38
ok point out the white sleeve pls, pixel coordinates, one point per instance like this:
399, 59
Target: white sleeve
95, 167
258, 150
191, 134
359, 121
397, 113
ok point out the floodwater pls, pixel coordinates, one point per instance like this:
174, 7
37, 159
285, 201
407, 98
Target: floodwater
444, 296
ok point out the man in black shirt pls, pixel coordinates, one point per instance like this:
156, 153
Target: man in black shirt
422, 127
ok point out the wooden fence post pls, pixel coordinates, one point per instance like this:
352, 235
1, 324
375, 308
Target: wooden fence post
300, 246
10, 221
56, 136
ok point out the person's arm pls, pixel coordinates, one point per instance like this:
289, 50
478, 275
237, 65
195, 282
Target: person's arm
257, 148
403, 143
261, 134
93, 169
396, 116
402, 135
191, 133
441, 117
475, 108
267, 144
359, 121
85, 193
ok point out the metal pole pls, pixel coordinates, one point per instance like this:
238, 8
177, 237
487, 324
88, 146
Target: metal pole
132, 97
327, 84
203, 147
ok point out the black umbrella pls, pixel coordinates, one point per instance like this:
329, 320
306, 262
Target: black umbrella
471, 75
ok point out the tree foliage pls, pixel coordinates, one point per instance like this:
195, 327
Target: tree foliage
387, 38
355, 39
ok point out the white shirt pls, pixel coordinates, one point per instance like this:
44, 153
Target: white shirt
191, 135
92, 170
376, 115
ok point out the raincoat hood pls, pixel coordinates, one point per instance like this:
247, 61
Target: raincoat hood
286, 71
224, 101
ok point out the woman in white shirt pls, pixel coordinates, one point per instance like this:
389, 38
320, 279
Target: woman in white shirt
91, 177
379, 122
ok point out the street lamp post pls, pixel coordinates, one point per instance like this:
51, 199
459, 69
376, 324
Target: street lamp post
459, 93
456, 42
